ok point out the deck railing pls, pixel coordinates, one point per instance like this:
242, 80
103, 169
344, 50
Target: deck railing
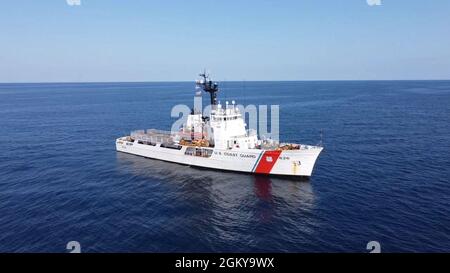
153, 136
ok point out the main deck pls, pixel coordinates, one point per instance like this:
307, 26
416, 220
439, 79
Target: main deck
180, 139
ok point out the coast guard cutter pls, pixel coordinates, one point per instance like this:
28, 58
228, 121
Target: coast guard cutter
221, 141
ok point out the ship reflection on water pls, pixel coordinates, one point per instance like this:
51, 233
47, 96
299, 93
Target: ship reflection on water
233, 206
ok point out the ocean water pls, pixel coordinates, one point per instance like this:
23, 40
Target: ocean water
384, 174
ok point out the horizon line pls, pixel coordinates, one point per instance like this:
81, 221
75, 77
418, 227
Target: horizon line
244, 80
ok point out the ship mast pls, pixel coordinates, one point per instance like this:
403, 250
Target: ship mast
208, 86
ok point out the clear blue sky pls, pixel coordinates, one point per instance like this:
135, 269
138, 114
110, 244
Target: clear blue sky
145, 40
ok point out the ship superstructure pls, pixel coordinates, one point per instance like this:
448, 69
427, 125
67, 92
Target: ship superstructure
221, 141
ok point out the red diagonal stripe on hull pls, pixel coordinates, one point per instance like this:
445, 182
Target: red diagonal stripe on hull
265, 166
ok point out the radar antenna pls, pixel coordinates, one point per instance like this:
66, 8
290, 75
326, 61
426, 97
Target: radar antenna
209, 86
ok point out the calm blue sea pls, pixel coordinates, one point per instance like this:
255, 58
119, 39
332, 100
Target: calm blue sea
384, 175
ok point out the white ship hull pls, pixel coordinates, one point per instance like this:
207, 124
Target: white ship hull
298, 162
